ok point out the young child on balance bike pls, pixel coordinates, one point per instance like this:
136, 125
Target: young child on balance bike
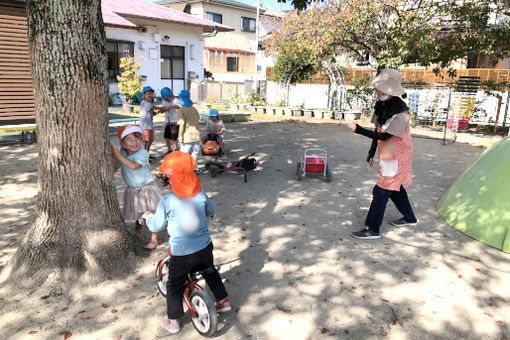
184, 212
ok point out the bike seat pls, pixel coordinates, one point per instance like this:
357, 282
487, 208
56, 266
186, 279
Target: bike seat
208, 270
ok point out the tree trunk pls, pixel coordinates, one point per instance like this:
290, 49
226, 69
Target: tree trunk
78, 226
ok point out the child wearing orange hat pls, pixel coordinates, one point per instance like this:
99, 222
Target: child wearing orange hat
184, 213
142, 192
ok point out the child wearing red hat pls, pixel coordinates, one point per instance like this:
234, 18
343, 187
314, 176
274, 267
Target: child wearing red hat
184, 213
142, 192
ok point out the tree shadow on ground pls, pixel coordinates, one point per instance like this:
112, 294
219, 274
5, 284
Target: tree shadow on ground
300, 275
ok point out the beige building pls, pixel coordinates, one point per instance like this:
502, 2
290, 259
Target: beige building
229, 56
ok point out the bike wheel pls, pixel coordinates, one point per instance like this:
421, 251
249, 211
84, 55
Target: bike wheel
299, 172
214, 167
164, 278
206, 323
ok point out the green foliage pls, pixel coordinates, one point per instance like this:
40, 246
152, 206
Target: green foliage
253, 99
129, 81
295, 65
429, 33
235, 99
362, 95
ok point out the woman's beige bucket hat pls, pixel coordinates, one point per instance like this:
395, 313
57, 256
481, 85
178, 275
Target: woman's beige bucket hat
389, 82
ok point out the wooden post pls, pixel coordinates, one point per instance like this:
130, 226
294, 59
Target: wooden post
435, 110
500, 100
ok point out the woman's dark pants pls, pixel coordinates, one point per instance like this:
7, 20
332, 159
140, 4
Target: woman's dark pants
378, 206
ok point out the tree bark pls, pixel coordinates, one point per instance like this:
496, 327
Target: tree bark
78, 226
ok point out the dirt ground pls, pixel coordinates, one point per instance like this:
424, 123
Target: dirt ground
293, 271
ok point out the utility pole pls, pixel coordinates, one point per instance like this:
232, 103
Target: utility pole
256, 47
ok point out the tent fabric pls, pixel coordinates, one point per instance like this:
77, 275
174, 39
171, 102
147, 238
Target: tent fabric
478, 203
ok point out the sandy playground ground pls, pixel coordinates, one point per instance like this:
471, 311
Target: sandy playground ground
295, 272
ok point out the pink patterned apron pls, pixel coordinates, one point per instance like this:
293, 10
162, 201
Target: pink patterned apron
395, 161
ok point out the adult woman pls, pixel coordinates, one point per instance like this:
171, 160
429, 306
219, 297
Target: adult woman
392, 137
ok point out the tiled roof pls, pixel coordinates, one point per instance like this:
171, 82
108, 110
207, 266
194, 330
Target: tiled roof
222, 49
118, 12
221, 2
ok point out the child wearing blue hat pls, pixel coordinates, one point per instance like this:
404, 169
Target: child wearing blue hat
147, 113
187, 119
170, 106
214, 129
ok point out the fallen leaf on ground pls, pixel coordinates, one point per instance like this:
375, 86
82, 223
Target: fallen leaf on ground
104, 305
114, 310
32, 332
66, 334
84, 317
324, 330
283, 309
44, 297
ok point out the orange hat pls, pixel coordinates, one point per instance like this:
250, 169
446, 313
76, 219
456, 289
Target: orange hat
179, 166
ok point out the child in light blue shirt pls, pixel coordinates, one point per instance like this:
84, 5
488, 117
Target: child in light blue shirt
183, 212
142, 193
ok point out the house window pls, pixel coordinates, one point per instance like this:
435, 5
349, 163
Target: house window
172, 64
247, 24
232, 64
218, 18
114, 51
187, 9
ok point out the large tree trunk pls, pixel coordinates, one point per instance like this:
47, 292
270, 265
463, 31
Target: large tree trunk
78, 226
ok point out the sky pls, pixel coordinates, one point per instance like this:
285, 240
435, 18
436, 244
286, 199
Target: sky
267, 3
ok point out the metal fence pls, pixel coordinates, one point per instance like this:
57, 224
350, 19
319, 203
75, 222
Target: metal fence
219, 91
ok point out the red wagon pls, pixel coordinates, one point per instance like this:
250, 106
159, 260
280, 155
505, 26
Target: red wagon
315, 160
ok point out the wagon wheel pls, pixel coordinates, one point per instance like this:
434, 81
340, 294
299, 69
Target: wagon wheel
214, 167
328, 174
299, 171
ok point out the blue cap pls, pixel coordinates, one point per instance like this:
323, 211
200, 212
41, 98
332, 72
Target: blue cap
165, 93
185, 100
213, 113
147, 88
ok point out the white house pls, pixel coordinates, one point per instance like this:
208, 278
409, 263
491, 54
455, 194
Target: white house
230, 56
170, 42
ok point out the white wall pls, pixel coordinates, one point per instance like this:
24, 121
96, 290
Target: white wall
180, 35
311, 96
235, 77
236, 39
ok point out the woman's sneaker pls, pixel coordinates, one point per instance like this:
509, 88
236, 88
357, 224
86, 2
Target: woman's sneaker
401, 222
366, 234
223, 306
171, 327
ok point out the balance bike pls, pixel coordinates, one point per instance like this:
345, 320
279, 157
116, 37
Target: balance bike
200, 304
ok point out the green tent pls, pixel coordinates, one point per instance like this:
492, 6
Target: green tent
478, 203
